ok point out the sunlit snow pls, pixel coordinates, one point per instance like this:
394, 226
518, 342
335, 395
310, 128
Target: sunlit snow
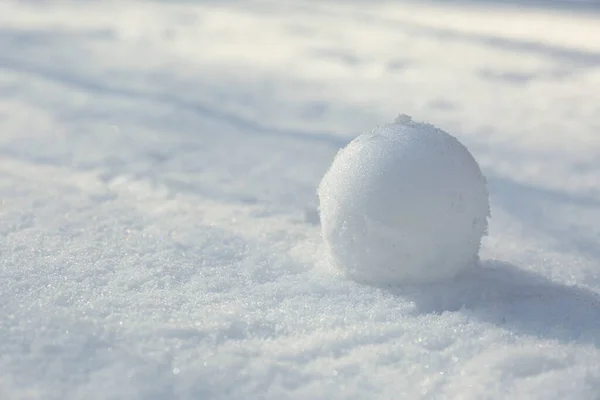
159, 226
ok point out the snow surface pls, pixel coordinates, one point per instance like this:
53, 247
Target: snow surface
158, 169
405, 203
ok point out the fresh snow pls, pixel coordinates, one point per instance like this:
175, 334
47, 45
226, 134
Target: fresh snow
159, 163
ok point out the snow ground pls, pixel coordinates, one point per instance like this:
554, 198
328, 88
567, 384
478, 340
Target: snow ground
158, 169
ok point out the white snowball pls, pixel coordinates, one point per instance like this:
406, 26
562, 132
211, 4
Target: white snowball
406, 203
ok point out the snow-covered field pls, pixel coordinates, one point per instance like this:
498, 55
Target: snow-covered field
159, 235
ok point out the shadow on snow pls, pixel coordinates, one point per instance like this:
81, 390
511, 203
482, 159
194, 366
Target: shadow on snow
520, 301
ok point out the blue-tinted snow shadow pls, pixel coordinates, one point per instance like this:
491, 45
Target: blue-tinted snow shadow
518, 300
168, 103
195, 106
534, 206
571, 57
510, 297
13, 40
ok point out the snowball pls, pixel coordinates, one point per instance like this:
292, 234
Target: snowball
406, 203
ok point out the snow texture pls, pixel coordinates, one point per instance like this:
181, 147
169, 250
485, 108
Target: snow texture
405, 203
159, 162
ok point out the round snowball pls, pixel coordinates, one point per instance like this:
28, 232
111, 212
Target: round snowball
404, 204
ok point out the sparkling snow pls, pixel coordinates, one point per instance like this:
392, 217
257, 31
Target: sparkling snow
405, 203
159, 163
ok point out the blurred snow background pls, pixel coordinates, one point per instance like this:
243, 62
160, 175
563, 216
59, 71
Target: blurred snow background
158, 168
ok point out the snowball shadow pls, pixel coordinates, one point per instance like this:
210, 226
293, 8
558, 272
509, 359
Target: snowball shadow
501, 293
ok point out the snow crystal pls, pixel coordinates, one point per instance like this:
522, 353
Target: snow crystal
406, 203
